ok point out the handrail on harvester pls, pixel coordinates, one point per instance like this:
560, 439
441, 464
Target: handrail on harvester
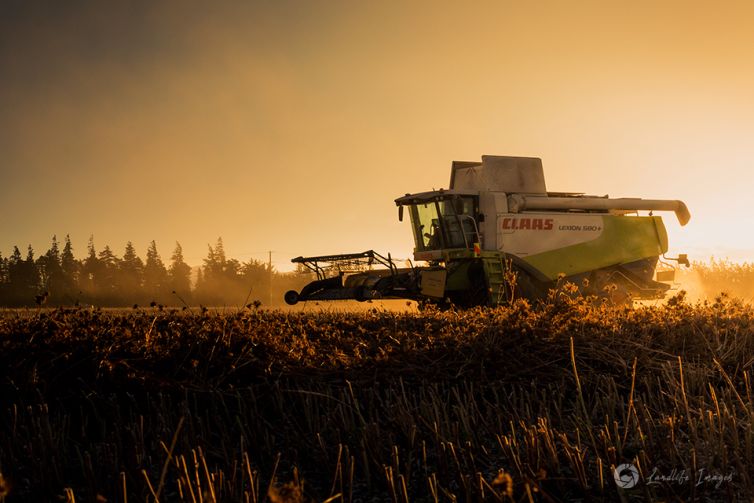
345, 261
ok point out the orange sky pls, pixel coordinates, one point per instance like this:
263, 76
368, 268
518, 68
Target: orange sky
292, 126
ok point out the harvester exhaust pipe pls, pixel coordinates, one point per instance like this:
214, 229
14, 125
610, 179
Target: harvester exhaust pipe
518, 203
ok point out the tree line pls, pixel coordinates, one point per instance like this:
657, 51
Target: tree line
103, 278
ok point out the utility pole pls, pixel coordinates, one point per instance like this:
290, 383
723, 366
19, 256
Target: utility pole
269, 278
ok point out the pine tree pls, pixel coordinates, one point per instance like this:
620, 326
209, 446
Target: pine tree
70, 269
91, 272
105, 280
231, 269
51, 272
257, 274
54, 251
220, 251
14, 262
155, 274
31, 273
212, 274
4, 279
180, 273
4, 282
214, 264
223, 282
130, 275
24, 278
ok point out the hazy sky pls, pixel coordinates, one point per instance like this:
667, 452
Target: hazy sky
292, 126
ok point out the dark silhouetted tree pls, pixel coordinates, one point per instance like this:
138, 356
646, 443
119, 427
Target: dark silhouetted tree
221, 283
155, 275
14, 262
30, 269
103, 279
256, 274
5, 286
24, 278
51, 272
70, 268
106, 277
214, 264
130, 275
91, 270
4, 279
227, 281
15, 277
180, 273
231, 269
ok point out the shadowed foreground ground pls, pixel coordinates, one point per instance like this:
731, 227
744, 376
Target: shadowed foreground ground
510, 404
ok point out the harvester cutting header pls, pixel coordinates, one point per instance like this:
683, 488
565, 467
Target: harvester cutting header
497, 233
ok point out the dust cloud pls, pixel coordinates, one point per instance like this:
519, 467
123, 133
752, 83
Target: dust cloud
706, 281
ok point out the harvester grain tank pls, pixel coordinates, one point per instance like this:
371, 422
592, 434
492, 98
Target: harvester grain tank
497, 234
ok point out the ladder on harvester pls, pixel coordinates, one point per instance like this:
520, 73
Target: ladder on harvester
494, 272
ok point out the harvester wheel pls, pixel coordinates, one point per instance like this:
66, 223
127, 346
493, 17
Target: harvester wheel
359, 293
291, 297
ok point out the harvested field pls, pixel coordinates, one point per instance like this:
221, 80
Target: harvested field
518, 403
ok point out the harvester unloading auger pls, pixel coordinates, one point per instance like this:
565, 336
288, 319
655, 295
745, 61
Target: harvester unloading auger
498, 234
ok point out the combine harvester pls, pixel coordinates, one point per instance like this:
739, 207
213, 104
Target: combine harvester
498, 234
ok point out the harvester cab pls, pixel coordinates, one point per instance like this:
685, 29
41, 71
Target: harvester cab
442, 220
497, 234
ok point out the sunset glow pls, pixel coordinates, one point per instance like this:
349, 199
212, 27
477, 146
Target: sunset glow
339, 251
291, 126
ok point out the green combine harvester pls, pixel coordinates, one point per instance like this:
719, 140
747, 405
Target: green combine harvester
497, 234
